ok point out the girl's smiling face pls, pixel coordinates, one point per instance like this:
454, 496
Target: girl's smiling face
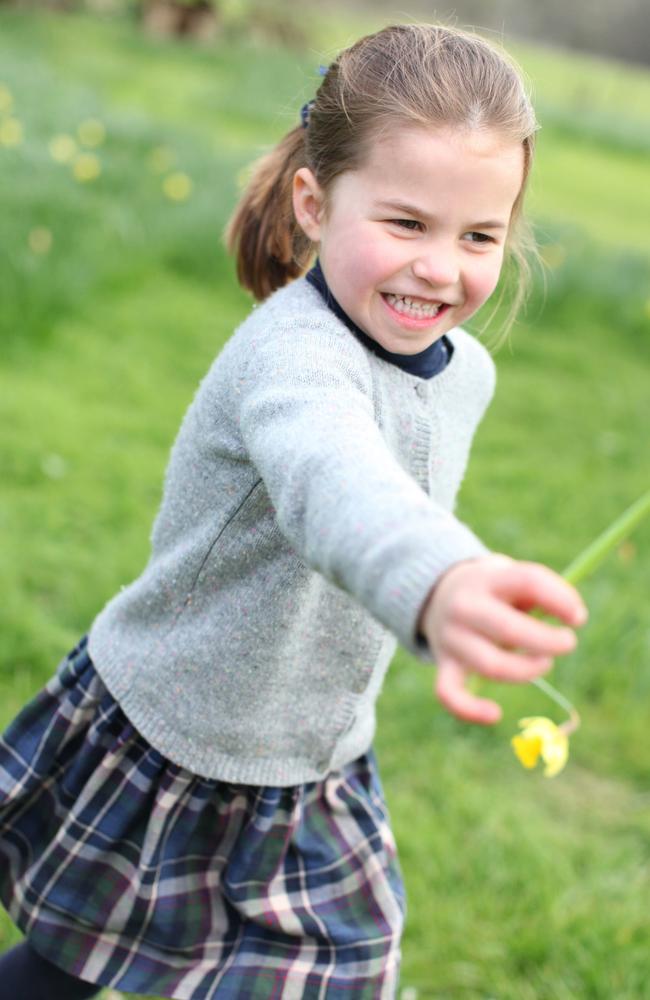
412, 243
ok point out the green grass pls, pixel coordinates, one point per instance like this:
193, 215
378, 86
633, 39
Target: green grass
519, 887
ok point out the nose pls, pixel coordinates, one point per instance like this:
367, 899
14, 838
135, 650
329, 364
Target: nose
438, 264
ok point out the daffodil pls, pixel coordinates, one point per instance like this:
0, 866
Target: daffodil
540, 737
40, 240
6, 99
543, 738
63, 148
161, 159
86, 167
91, 132
177, 186
11, 133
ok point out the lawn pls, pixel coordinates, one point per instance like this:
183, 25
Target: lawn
116, 294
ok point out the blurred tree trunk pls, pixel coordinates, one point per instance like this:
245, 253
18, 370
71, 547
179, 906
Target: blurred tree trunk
193, 18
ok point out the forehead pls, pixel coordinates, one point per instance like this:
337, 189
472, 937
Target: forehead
434, 165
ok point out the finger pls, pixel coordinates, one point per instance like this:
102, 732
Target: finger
478, 655
531, 585
454, 696
514, 629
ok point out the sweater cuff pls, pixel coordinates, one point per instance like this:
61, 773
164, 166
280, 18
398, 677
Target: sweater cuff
409, 589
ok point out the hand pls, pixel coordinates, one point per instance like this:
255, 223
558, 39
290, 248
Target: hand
475, 621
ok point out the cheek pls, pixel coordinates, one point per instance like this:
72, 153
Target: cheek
485, 279
376, 260
359, 264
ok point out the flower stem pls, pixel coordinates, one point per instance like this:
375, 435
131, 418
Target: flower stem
553, 693
573, 722
593, 555
579, 568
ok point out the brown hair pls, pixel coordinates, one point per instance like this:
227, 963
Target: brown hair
409, 74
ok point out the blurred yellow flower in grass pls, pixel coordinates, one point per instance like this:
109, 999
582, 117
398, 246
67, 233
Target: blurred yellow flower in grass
91, 132
540, 737
161, 159
177, 186
6, 99
626, 552
11, 133
40, 240
63, 148
86, 167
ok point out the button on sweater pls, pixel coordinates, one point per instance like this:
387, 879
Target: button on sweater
307, 513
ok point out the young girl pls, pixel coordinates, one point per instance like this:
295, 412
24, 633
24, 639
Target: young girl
191, 806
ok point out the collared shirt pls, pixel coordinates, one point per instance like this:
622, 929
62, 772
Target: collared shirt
427, 363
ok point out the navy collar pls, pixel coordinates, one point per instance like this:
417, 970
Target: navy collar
425, 364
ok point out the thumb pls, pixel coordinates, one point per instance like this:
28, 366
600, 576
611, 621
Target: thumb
451, 691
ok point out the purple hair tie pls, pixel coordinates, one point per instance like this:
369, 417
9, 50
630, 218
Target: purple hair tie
305, 113
305, 110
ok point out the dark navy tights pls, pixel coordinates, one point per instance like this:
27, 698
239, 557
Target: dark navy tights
25, 975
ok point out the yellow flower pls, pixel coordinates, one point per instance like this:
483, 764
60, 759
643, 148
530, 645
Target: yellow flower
177, 186
161, 159
6, 99
86, 167
40, 240
541, 737
91, 132
63, 148
11, 132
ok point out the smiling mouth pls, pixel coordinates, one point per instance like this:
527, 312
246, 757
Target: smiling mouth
414, 307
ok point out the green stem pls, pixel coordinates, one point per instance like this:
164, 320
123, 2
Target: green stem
594, 554
586, 563
573, 722
554, 694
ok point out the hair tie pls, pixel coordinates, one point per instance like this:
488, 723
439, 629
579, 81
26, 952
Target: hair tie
305, 113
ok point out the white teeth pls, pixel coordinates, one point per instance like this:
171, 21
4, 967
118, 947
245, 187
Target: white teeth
418, 308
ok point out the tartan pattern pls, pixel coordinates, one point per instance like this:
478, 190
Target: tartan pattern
129, 871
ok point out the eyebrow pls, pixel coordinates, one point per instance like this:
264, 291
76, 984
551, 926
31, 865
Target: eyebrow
402, 206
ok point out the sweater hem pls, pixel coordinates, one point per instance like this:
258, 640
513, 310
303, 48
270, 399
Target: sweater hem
217, 765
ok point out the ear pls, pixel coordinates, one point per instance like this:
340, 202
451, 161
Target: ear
308, 203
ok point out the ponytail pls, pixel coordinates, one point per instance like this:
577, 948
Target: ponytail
269, 246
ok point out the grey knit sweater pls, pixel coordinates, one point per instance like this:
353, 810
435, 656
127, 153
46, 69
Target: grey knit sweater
307, 513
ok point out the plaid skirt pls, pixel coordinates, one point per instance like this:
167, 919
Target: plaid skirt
129, 871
